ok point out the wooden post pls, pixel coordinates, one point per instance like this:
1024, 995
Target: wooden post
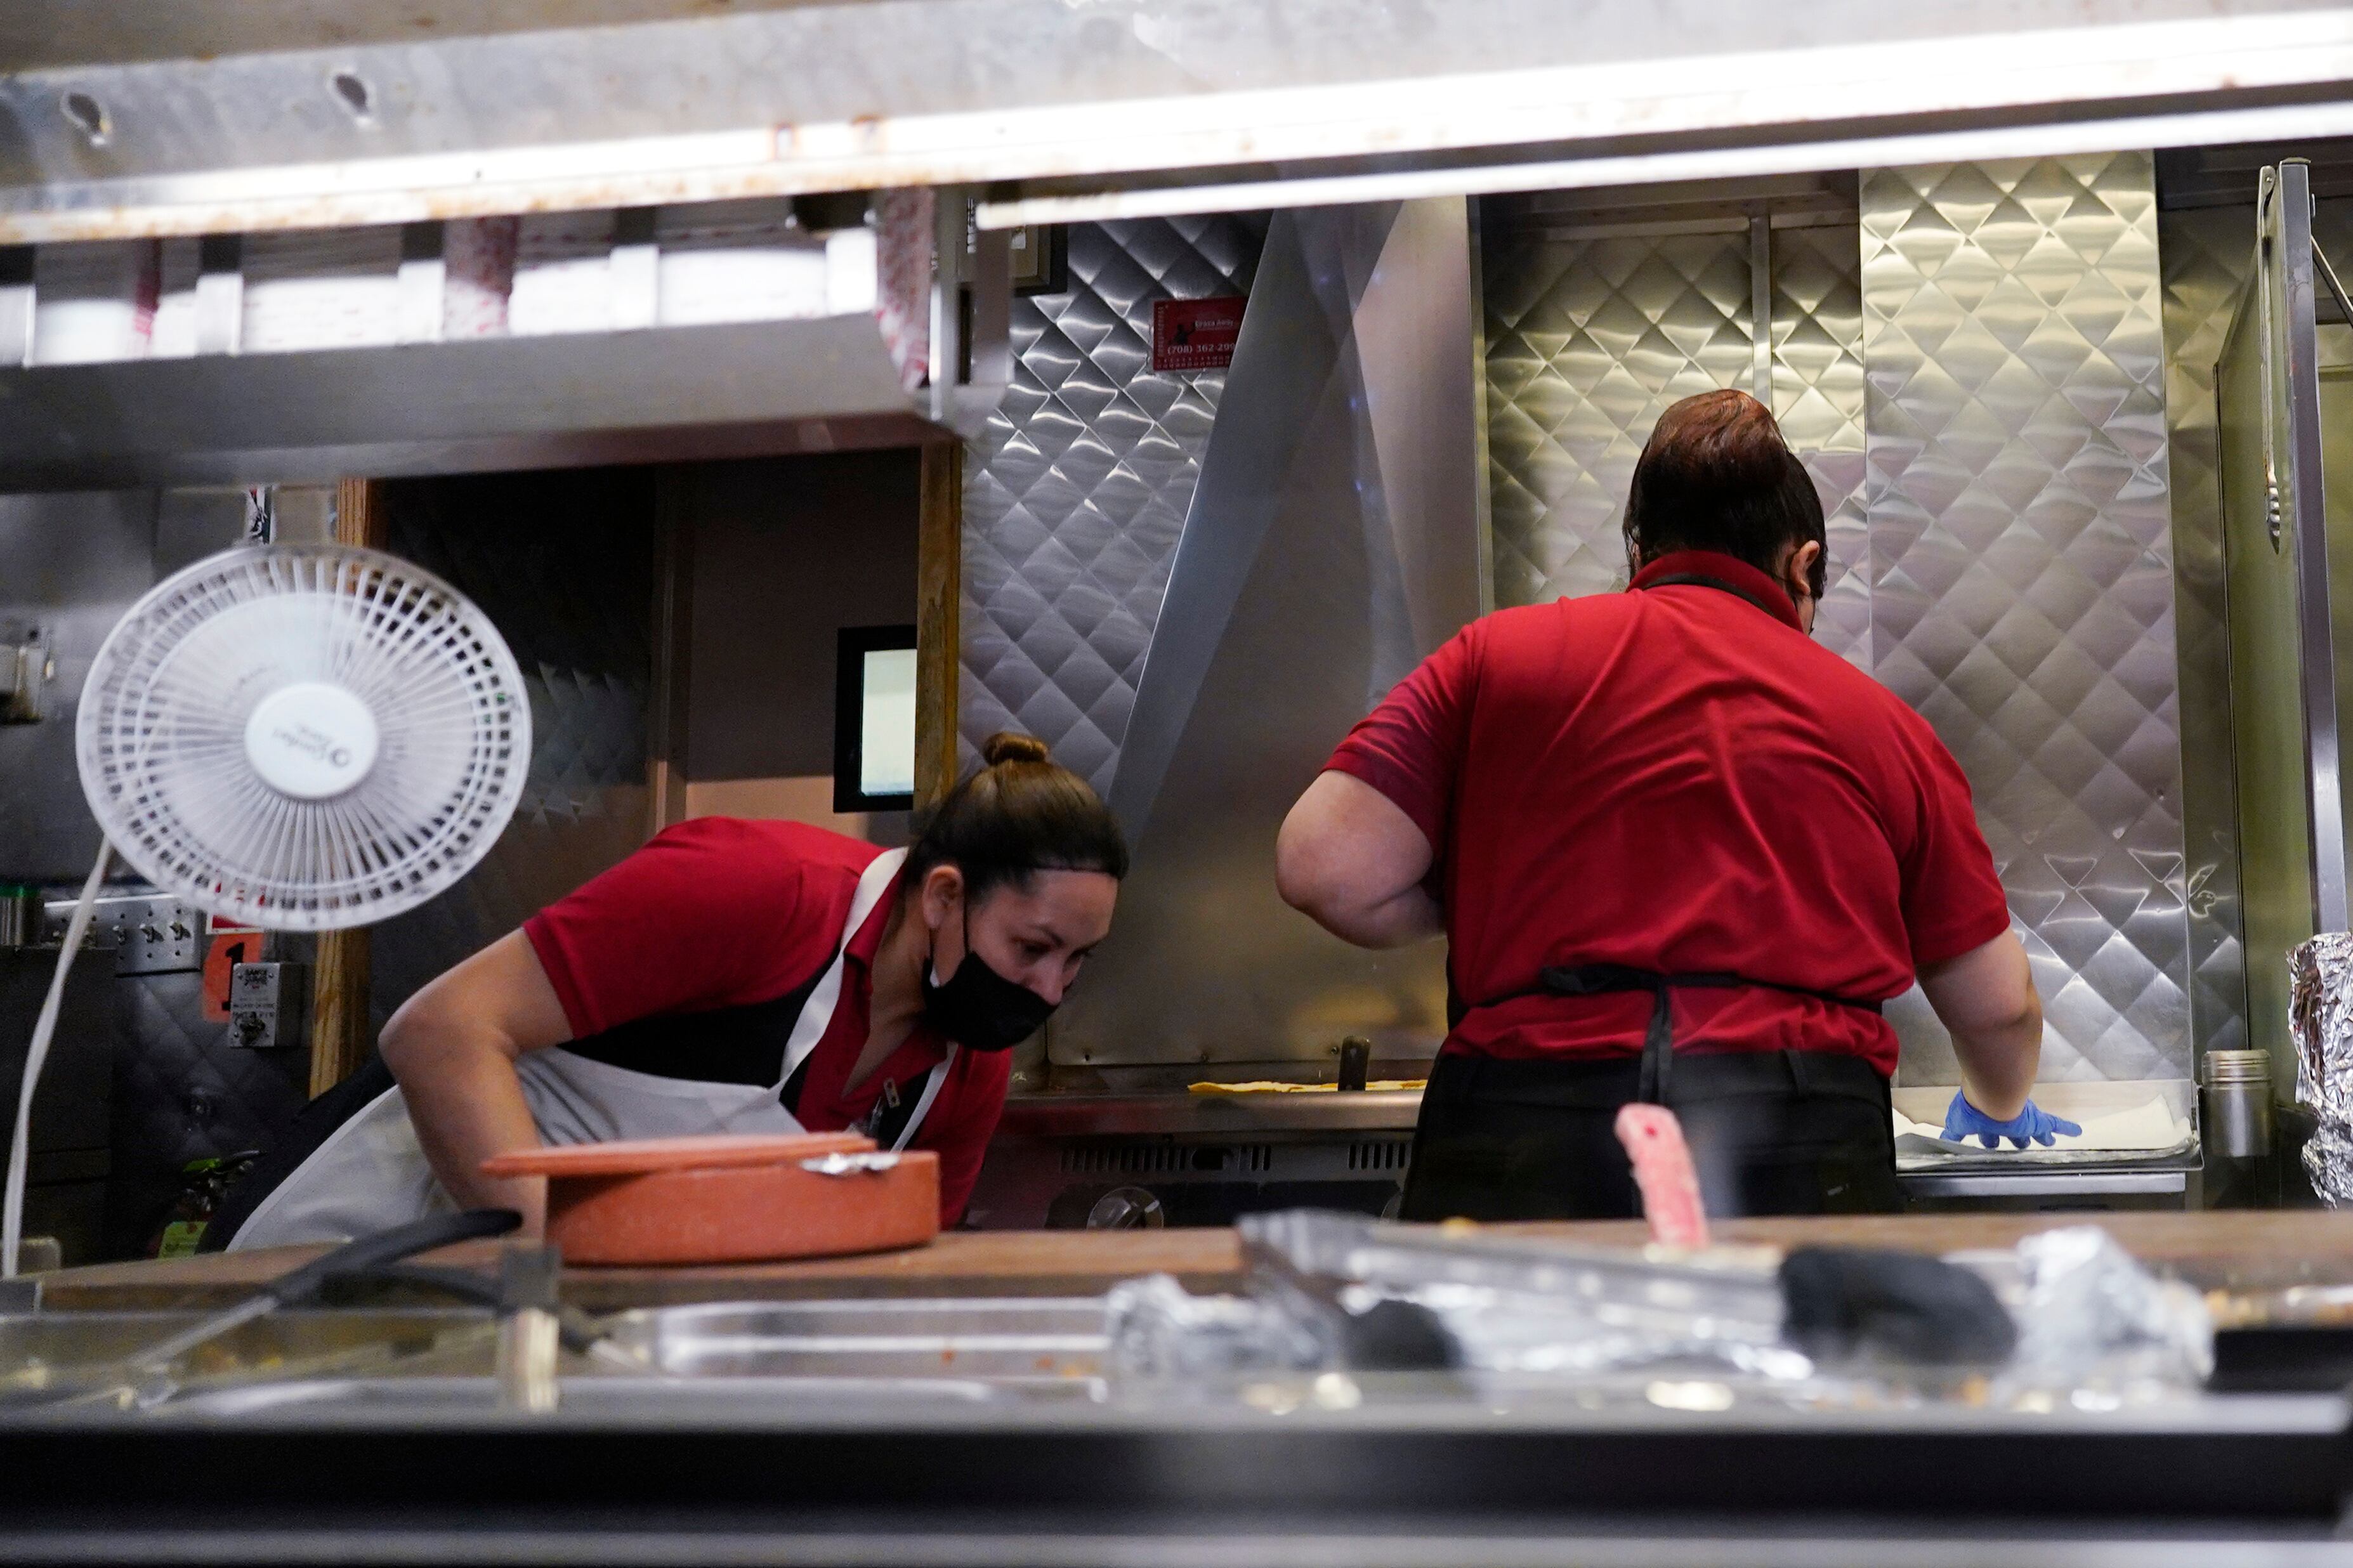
939, 598
674, 642
340, 1033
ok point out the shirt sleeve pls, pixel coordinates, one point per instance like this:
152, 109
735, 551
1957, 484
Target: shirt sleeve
961, 1139
690, 922
1953, 898
1410, 745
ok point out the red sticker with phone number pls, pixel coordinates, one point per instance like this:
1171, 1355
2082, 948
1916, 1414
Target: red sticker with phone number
1196, 335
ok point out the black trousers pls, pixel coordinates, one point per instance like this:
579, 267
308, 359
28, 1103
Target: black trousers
1781, 1132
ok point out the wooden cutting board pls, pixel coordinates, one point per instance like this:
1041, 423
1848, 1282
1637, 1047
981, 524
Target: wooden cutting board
2237, 1249
959, 1263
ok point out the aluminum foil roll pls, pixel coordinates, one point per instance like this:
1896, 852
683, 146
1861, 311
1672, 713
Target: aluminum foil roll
2320, 1017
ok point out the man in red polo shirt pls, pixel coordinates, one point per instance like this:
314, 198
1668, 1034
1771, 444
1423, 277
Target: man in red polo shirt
1681, 853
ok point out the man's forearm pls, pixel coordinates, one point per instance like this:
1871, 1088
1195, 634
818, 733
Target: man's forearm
1997, 1066
1987, 1001
466, 1105
1399, 920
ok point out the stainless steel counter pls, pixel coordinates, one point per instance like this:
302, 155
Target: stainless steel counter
1161, 1156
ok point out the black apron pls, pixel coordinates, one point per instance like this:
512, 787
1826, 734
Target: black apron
1770, 1133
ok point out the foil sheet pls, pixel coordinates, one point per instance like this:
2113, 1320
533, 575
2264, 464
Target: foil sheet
2320, 1017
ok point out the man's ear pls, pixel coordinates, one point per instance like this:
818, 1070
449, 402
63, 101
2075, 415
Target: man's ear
1800, 567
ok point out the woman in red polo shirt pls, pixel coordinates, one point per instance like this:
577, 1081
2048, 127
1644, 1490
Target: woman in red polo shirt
1681, 853
730, 976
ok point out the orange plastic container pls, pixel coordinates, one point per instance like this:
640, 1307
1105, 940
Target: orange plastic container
728, 1199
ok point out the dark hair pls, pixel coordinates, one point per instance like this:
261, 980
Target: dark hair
1020, 812
1716, 475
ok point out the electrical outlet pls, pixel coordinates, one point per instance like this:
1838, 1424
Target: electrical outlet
266, 1005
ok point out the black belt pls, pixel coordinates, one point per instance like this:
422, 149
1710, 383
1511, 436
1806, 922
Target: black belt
1659, 1041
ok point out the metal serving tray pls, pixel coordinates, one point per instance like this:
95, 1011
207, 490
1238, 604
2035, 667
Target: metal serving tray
1025, 1339
42, 1348
2077, 1102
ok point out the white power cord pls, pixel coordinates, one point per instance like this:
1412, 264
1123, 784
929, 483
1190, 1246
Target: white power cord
12, 1218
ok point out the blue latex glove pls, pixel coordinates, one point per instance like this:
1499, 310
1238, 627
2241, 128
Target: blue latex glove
2033, 1124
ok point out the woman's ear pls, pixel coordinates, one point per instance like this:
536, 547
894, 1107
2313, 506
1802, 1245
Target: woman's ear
943, 895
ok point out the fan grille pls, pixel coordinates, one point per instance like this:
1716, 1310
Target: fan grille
161, 735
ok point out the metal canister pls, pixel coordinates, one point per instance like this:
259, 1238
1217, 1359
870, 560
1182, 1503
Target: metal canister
2236, 1091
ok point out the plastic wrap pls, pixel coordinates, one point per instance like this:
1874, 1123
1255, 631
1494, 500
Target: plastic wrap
2096, 1327
1158, 1331
1333, 1294
2320, 1017
1512, 1306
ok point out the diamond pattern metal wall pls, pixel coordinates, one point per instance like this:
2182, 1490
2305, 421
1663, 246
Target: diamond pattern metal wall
1588, 340
1817, 338
1075, 494
2022, 572
573, 606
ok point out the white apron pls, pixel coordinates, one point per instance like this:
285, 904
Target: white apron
371, 1173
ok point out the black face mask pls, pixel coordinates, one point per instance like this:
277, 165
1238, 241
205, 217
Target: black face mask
978, 1007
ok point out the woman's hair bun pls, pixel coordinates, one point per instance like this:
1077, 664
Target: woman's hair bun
1001, 824
1008, 747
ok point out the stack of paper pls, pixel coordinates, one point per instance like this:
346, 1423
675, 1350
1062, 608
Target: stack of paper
93, 302
562, 274
321, 288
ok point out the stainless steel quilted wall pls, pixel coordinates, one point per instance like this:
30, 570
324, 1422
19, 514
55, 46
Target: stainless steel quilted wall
2022, 569
1588, 340
1977, 386
1075, 494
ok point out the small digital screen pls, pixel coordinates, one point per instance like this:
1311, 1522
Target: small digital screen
886, 750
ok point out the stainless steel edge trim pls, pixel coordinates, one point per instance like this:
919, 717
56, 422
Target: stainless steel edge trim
2106, 1182
1483, 496
1760, 306
1730, 159
2292, 213
1112, 1115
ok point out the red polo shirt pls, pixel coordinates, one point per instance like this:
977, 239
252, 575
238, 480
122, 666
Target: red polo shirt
718, 926
1677, 778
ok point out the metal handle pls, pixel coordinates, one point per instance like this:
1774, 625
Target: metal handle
1127, 1208
390, 1246
1356, 1063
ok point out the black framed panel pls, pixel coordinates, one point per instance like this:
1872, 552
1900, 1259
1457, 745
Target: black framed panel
852, 645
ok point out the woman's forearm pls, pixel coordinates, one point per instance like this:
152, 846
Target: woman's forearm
453, 1047
466, 1105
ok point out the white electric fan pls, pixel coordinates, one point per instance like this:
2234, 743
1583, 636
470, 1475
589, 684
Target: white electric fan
297, 737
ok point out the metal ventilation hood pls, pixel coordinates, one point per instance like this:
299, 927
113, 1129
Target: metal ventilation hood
1335, 539
127, 118
910, 352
